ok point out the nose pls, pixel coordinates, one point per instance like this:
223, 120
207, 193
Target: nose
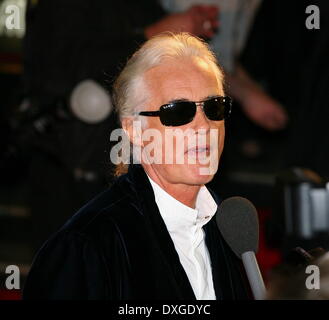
200, 120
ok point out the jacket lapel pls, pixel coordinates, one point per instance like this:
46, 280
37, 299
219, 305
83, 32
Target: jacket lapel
159, 230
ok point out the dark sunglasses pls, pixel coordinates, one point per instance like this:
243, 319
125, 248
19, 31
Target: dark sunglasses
182, 112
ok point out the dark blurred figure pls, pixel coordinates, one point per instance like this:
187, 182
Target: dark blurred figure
292, 63
67, 42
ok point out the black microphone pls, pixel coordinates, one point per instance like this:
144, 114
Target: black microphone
238, 222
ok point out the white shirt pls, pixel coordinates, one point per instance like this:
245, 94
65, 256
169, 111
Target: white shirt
184, 225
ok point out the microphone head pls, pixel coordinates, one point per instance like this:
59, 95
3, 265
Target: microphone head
237, 221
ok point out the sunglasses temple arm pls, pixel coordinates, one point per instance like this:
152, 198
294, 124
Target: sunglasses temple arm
149, 113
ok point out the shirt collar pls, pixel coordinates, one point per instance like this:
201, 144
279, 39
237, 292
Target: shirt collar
177, 215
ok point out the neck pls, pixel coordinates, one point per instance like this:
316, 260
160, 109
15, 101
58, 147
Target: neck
184, 193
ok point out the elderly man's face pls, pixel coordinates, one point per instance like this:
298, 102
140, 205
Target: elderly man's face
191, 80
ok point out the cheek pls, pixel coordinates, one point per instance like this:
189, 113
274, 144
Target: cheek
217, 135
221, 137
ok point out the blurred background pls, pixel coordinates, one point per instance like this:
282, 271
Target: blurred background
58, 60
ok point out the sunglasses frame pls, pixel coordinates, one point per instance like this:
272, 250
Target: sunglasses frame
196, 103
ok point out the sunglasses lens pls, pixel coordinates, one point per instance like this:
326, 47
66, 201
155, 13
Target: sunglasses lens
218, 108
177, 113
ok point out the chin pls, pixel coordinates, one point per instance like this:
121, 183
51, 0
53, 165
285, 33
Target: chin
195, 178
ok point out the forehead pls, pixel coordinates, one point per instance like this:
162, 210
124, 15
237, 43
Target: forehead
188, 79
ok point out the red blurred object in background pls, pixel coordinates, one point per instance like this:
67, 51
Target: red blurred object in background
10, 294
267, 257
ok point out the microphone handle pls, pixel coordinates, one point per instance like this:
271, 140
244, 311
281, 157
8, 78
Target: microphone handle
254, 276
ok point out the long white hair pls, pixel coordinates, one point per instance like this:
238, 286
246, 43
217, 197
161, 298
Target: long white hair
129, 90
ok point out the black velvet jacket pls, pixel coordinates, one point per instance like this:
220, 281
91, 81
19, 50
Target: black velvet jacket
118, 247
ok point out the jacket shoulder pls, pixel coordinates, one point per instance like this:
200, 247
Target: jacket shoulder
115, 205
79, 249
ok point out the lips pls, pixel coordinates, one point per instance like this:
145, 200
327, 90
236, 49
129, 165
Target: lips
198, 150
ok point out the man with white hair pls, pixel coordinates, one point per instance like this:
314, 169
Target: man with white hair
152, 234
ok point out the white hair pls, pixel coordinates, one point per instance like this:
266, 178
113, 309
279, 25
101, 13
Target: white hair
129, 90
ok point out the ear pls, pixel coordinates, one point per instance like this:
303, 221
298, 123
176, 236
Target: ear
133, 130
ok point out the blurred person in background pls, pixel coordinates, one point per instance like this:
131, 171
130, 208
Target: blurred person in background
292, 62
291, 59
